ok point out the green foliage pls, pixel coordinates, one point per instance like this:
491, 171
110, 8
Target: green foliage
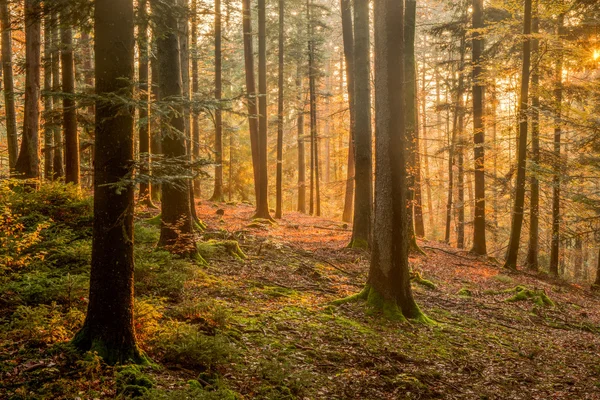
417, 277
281, 380
45, 288
44, 324
132, 382
195, 391
464, 292
219, 248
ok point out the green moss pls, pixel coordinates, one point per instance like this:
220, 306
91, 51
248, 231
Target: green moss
523, 293
216, 248
464, 292
413, 247
503, 278
278, 291
362, 295
359, 244
418, 278
131, 382
388, 308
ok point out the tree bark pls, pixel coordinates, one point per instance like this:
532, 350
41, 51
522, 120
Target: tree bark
47, 96
517, 217
279, 179
108, 327
348, 39
58, 167
218, 189
315, 192
9, 87
301, 152
479, 241
363, 195
195, 89
28, 162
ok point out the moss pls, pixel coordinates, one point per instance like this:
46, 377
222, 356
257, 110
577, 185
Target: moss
414, 248
109, 354
388, 308
359, 244
213, 248
362, 295
418, 278
464, 292
278, 291
131, 382
154, 221
523, 293
503, 278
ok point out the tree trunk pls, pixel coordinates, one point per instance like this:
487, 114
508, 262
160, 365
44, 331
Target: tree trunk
177, 228
58, 167
195, 89
155, 130
348, 39
556, 180
69, 104
279, 184
108, 327
315, 195
301, 155
48, 113
218, 190
9, 87
28, 162
517, 217
479, 242
534, 231
145, 194
426, 155
460, 178
363, 195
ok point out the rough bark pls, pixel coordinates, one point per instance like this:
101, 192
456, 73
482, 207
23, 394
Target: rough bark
517, 215
315, 192
363, 192
479, 241
195, 89
9, 87
58, 167
47, 96
218, 189
301, 152
28, 161
108, 327
279, 178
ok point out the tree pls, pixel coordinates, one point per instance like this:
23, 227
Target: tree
517, 215
177, 225
301, 155
279, 179
108, 328
348, 39
218, 191
27, 165
9, 87
145, 194
388, 286
195, 88
315, 191
363, 196
48, 114
478, 90
69, 104
58, 165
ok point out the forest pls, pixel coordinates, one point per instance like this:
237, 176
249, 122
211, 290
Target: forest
287, 199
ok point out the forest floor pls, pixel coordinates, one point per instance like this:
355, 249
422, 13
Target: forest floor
260, 325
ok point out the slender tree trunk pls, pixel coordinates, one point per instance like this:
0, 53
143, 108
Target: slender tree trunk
596, 284
9, 88
155, 130
145, 194
218, 190
28, 162
48, 118
426, 155
460, 175
58, 167
517, 217
315, 192
108, 327
348, 39
556, 180
251, 93
279, 184
301, 155
195, 89
534, 231
177, 228
69, 104
363, 193
479, 241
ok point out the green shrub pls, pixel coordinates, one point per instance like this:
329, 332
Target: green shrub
44, 324
158, 273
45, 288
132, 382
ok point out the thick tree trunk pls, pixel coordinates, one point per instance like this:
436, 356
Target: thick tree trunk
145, 194
517, 217
48, 117
177, 228
279, 179
301, 153
9, 87
28, 162
69, 104
479, 241
58, 167
534, 231
363, 189
348, 39
218, 189
556, 179
108, 327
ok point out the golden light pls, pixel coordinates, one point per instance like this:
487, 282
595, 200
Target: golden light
596, 55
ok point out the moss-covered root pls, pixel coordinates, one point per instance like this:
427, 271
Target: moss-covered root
418, 279
358, 244
389, 309
523, 293
414, 247
110, 354
213, 248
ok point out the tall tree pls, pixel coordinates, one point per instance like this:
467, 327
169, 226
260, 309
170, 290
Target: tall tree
48, 117
145, 194
108, 328
315, 192
363, 192
218, 190
69, 104
9, 86
557, 170
478, 90
279, 178
195, 89
534, 230
301, 152
348, 39
517, 215
58, 167
177, 227
28, 162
